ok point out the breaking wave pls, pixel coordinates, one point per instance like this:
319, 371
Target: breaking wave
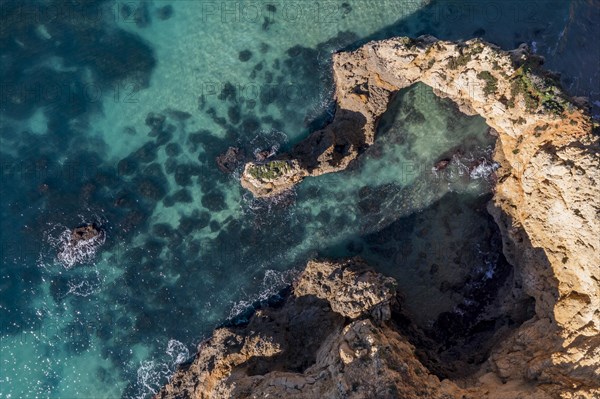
71, 254
152, 375
273, 282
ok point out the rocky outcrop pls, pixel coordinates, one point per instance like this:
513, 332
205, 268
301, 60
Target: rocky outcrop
351, 288
546, 200
339, 334
332, 338
79, 245
85, 233
519, 101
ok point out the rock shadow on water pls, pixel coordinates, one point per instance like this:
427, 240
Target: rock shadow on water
414, 247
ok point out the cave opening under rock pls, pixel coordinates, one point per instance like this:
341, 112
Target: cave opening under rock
459, 294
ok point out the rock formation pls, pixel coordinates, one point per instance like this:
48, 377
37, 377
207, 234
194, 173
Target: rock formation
331, 338
546, 204
84, 233
340, 333
79, 244
229, 161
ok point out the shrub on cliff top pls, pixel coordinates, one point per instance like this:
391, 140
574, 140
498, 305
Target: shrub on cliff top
491, 83
461, 60
269, 171
465, 56
538, 89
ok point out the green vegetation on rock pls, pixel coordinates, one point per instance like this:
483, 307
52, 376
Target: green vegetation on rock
491, 83
269, 171
461, 60
537, 90
407, 41
464, 57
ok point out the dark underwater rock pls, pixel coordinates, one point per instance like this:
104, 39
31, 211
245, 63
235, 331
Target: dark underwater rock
150, 189
197, 221
165, 12
245, 55
183, 195
173, 149
146, 153
214, 201
229, 161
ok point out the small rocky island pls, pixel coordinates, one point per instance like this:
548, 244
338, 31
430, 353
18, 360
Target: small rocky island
341, 331
79, 244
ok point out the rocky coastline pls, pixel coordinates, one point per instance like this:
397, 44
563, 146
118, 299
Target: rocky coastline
341, 331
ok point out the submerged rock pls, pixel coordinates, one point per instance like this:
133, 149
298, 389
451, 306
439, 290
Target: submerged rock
441, 165
245, 55
214, 201
230, 160
155, 121
165, 12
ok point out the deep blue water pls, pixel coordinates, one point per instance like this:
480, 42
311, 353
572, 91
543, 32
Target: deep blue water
114, 112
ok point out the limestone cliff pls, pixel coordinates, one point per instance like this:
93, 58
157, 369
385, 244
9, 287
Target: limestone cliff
332, 338
340, 333
546, 204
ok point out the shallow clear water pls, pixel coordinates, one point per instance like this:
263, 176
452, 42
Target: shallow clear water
186, 248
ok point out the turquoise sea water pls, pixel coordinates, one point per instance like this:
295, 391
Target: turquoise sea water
114, 112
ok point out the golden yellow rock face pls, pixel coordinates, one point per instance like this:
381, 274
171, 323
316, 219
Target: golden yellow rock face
546, 203
325, 341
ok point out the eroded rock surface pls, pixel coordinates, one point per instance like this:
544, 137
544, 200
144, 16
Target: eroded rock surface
85, 233
351, 288
546, 204
330, 339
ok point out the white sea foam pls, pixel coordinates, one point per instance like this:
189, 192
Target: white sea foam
489, 263
84, 251
58, 246
268, 139
534, 47
85, 287
273, 282
484, 169
254, 205
59, 255
152, 375
177, 351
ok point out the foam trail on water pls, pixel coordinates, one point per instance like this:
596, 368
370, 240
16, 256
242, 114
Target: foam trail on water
273, 282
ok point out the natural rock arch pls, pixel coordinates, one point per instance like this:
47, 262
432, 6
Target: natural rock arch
546, 202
